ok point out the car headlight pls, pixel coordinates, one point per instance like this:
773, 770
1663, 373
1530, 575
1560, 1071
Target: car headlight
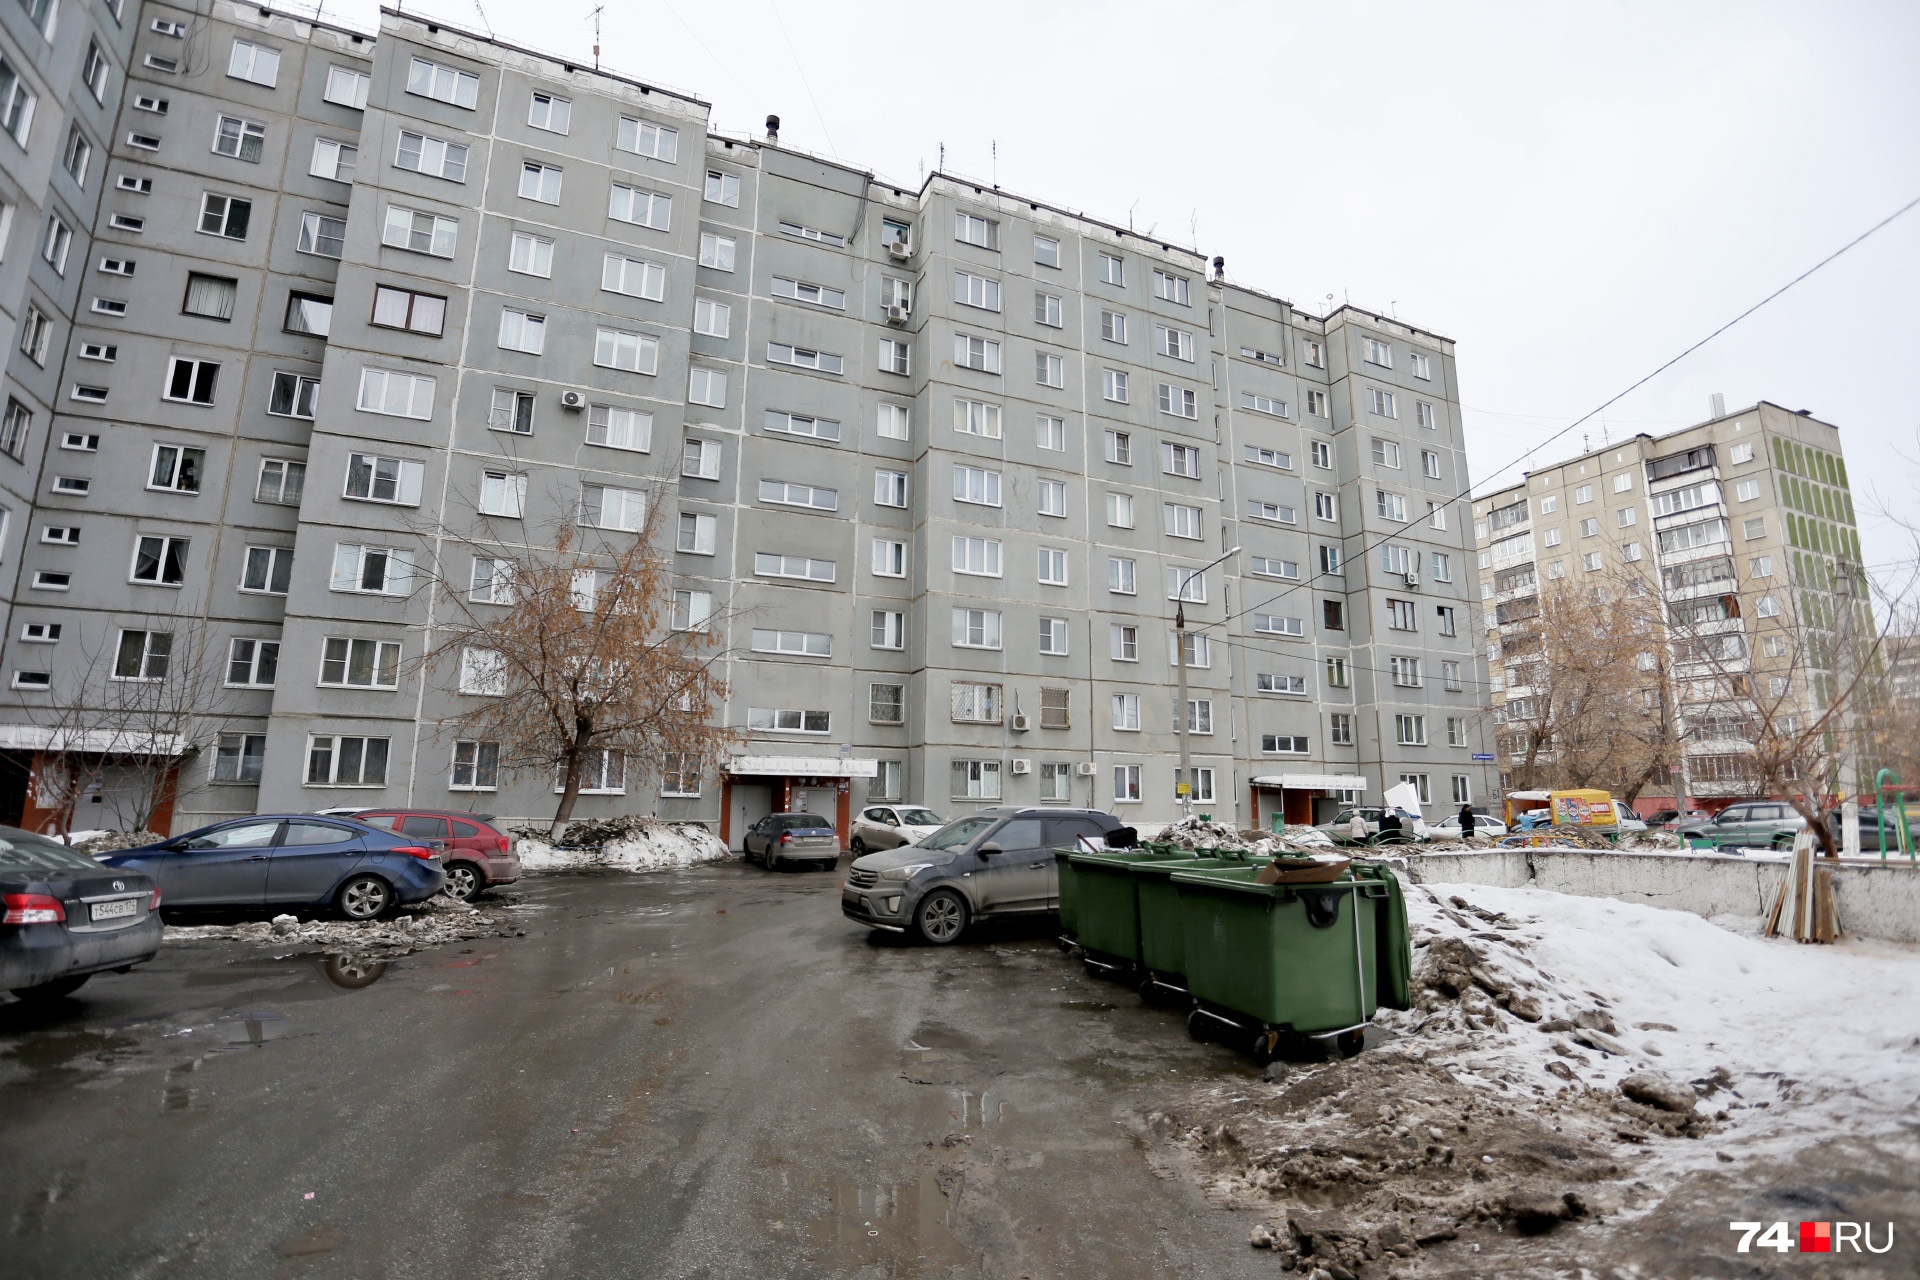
905, 873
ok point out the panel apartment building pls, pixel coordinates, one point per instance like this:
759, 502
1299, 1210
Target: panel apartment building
936, 459
1739, 519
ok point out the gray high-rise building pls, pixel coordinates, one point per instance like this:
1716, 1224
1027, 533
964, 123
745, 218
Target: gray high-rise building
935, 460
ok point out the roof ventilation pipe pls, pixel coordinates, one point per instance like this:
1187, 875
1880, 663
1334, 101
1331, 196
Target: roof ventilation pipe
773, 128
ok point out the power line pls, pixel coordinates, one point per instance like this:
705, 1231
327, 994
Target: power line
1466, 495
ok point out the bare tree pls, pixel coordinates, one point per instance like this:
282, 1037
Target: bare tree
577, 647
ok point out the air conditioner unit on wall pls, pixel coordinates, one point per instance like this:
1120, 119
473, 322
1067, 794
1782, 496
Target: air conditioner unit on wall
1023, 766
573, 400
1021, 723
1084, 768
897, 315
899, 251
1413, 579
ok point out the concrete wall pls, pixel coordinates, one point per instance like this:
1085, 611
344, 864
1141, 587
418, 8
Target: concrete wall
1875, 901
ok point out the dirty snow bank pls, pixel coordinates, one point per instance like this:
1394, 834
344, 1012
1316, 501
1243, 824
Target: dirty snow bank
431, 923
644, 846
1197, 832
1561, 1053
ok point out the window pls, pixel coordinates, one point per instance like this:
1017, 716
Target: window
225, 216
818, 295
1430, 464
1270, 567
36, 335
549, 113
618, 428
787, 494
240, 757
1386, 453
1126, 783
1046, 310
691, 610
886, 704
1333, 615
971, 229
1053, 636
1401, 615
697, 533
532, 255
1049, 370
890, 488
1390, 506
1180, 521
522, 331
1268, 624
1113, 269
889, 558
1178, 343
1325, 507
1767, 606
1337, 673
255, 62
1046, 251
360, 664
376, 479
343, 761
972, 352
280, 482
267, 570
768, 564
1418, 781
371, 570
895, 356
502, 494
403, 309
1405, 672
1279, 512
976, 556
396, 394
1126, 712
1410, 731
1119, 446
806, 644
1113, 385
334, 160
1113, 326
1754, 528
1120, 510
1263, 404
322, 236
602, 773
447, 84
1623, 483
347, 88
1448, 619
539, 182
1171, 287
1552, 537
159, 561
16, 104
1050, 433
1317, 405
74, 485
620, 349
804, 358
716, 251
887, 629
698, 458
1316, 353
1381, 403
895, 292
1124, 642
799, 424
142, 655
975, 780
251, 664
436, 157
308, 313
240, 139
78, 154
1626, 517
644, 137
418, 232
1378, 352
1760, 567
1052, 566
976, 485
607, 507
191, 381
209, 296
1120, 575
785, 720
976, 628
1179, 401
476, 767
176, 469
1549, 505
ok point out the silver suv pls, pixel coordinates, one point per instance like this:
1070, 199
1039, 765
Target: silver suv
997, 862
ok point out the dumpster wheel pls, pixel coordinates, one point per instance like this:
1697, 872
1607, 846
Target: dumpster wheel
1264, 1048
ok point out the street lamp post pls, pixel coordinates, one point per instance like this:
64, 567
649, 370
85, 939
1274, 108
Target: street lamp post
1183, 782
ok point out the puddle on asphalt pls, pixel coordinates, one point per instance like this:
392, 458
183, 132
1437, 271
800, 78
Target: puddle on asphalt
900, 1227
353, 973
252, 1028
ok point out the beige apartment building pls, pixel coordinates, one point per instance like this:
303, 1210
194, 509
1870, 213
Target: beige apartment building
1738, 520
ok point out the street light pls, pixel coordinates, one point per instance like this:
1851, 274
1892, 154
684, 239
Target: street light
1183, 782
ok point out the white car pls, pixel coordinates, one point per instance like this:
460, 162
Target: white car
889, 826
1625, 819
1448, 828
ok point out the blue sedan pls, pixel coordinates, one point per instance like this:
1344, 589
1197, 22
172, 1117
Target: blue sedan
295, 860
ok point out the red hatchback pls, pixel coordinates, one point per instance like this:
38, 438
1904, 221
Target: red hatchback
477, 855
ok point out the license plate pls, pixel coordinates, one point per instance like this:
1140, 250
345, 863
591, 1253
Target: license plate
114, 910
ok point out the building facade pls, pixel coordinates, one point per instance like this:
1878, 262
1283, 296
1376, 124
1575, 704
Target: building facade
1737, 524
936, 460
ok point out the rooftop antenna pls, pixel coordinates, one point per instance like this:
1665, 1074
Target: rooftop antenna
943, 159
996, 164
1394, 308
1130, 209
596, 35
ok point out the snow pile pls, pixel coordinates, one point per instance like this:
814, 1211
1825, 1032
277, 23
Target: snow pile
1560, 1052
644, 845
1203, 833
104, 842
431, 923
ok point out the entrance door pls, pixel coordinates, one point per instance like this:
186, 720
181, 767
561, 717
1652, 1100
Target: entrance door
819, 801
750, 804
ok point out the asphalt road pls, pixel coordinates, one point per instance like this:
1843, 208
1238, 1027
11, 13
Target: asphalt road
707, 1073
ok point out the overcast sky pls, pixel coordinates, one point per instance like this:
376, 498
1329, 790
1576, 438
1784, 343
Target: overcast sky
1573, 193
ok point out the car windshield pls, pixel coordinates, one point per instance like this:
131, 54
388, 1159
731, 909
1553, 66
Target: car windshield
958, 833
23, 851
919, 817
805, 822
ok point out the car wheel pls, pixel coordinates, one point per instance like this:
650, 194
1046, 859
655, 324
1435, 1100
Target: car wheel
768, 859
859, 846
464, 882
364, 897
55, 990
941, 917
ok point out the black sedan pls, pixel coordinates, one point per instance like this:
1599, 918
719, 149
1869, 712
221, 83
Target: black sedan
293, 859
67, 917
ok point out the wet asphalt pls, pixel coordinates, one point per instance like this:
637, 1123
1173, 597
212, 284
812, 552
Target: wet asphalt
705, 1073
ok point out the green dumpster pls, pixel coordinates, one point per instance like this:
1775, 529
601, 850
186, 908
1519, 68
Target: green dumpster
1304, 958
1105, 913
1162, 926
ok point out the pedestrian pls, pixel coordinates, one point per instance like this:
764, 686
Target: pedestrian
1357, 828
1466, 822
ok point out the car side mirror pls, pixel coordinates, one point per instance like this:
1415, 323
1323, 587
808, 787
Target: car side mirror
989, 848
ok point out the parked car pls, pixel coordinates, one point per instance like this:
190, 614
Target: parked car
888, 826
997, 862
1338, 830
292, 859
1668, 819
1625, 819
1749, 824
792, 837
68, 918
476, 854
1448, 828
